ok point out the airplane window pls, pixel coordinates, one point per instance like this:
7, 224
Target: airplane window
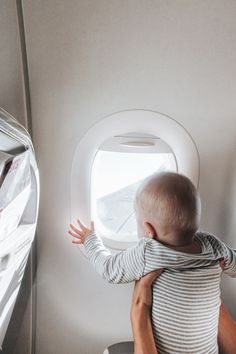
114, 180
113, 157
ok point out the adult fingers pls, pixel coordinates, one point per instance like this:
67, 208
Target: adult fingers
151, 277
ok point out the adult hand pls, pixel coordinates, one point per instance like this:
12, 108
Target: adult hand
142, 294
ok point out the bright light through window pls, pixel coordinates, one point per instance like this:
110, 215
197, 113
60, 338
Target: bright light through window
114, 181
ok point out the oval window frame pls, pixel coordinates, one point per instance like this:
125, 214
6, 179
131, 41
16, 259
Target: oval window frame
145, 121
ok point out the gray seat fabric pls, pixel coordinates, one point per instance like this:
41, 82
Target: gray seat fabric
120, 348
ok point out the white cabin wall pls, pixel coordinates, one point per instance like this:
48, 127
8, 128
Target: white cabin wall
11, 82
88, 59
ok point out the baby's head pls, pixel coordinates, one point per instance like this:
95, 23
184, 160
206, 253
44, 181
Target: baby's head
168, 206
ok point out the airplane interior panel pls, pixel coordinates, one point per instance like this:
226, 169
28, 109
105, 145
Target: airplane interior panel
117, 177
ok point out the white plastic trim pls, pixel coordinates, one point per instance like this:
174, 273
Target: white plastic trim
143, 121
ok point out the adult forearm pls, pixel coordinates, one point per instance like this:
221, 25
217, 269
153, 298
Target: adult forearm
142, 330
227, 332
140, 315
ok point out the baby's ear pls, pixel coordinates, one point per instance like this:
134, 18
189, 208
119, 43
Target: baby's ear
150, 230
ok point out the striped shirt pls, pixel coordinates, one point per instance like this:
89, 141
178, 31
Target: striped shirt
186, 296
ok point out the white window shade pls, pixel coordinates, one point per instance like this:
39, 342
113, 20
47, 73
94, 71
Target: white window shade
114, 180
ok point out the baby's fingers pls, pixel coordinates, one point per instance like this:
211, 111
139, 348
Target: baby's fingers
74, 234
76, 230
222, 263
83, 227
78, 242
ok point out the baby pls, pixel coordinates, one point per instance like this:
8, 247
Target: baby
186, 297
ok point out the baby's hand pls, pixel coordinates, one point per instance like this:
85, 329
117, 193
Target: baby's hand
222, 263
81, 234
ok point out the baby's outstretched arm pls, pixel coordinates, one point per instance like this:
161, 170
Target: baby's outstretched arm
123, 267
133, 263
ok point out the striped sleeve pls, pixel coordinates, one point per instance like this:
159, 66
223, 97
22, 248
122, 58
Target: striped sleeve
223, 251
230, 260
133, 263
122, 267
